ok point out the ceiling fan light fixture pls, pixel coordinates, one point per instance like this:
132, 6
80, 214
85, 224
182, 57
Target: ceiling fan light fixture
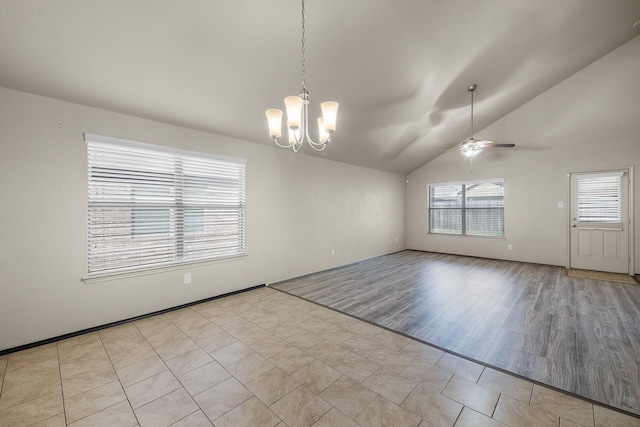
472, 146
472, 89
470, 149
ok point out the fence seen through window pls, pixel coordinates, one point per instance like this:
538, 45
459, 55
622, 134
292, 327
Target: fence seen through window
467, 208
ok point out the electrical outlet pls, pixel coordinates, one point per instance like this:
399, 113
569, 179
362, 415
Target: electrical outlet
187, 278
510, 247
333, 251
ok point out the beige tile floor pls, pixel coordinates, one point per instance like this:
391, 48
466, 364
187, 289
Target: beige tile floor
265, 358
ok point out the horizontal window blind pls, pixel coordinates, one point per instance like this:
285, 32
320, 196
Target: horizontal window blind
446, 206
152, 206
468, 208
600, 197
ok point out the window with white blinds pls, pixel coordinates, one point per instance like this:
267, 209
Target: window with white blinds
600, 197
467, 208
152, 206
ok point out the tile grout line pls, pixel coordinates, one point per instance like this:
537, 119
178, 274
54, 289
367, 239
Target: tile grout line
118, 377
64, 407
4, 373
215, 360
93, 388
166, 366
168, 370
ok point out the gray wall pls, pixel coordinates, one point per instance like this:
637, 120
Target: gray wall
299, 208
590, 121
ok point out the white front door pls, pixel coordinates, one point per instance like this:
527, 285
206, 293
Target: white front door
600, 221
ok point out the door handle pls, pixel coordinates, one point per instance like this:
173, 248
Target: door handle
574, 226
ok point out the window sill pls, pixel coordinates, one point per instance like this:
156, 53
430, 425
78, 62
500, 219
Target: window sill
126, 274
468, 236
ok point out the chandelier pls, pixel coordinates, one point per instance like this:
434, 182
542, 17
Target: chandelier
298, 116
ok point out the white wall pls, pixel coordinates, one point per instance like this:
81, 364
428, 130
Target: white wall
590, 121
299, 208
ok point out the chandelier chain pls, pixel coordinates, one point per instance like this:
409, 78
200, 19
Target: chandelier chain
303, 58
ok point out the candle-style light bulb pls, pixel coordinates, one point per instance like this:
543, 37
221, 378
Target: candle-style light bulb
294, 111
274, 119
329, 114
323, 135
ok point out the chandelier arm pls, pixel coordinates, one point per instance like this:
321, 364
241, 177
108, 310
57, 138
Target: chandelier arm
299, 140
316, 145
305, 120
305, 132
284, 146
276, 139
319, 144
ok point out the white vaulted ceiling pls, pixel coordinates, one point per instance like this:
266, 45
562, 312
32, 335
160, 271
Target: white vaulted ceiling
399, 68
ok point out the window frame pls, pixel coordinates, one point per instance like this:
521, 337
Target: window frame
464, 209
183, 177
597, 199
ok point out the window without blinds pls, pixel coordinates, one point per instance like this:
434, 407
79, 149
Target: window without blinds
468, 208
600, 197
153, 206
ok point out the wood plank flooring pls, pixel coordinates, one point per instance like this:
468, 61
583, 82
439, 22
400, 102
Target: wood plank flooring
575, 334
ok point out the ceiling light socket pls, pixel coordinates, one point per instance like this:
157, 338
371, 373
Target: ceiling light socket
637, 24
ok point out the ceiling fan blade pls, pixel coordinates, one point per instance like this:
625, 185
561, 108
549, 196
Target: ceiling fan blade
494, 144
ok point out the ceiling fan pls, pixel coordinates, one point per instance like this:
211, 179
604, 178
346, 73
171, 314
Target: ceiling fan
473, 146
